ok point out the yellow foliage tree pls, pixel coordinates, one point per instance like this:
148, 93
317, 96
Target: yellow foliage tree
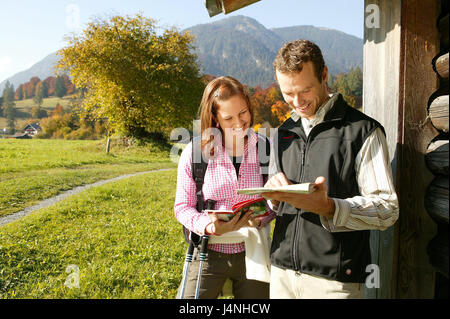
142, 80
281, 111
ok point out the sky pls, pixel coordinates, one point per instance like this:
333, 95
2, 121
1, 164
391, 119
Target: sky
30, 29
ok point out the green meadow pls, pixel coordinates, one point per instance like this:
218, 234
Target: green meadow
32, 170
122, 238
118, 240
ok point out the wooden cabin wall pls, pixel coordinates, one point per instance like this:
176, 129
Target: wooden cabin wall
398, 81
437, 160
381, 101
419, 46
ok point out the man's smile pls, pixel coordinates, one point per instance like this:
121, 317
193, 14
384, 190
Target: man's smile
304, 108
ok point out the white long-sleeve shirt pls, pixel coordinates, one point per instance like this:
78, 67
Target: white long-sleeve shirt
377, 206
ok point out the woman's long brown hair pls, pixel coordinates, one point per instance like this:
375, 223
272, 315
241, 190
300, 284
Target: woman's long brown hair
218, 90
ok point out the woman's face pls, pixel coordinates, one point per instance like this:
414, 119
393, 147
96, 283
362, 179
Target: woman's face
234, 117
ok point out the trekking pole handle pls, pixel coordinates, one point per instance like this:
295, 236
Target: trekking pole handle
202, 258
190, 251
204, 248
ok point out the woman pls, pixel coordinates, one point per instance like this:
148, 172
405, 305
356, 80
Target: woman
226, 117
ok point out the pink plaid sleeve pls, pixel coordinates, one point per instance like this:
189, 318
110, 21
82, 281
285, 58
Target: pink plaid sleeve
186, 199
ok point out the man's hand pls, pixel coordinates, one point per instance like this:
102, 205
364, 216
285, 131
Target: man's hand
275, 181
317, 202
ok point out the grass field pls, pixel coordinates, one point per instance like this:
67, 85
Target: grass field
119, 240
48, 103
32, 170
23, 109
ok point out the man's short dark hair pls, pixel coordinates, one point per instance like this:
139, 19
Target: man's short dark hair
292, 55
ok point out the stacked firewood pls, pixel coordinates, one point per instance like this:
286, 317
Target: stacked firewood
437, 158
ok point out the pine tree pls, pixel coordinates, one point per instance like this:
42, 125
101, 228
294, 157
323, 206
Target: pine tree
11, 125
8, 106
39, 94
19, 93
60, 87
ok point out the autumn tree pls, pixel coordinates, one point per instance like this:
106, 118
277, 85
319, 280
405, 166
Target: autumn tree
19, 93
280, 111
29, 88
144, 81
269, 105
50, 83
262, 110
38, 112
58, 111
350, 86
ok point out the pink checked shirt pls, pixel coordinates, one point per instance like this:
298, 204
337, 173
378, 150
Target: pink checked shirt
220, 185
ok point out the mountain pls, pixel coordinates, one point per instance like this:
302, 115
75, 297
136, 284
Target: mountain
243, 48
341, 51
237, 46
41, 69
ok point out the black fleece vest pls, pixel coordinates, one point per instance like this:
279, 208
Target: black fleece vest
300, 242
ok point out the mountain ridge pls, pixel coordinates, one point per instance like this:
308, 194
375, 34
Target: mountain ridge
242, 47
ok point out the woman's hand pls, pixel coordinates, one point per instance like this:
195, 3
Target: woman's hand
254, 221
220, 227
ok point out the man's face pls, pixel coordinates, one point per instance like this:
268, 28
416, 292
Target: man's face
302, 90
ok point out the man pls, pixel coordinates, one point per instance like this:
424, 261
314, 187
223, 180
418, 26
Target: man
320, 246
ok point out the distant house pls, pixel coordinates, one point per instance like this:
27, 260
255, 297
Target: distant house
32, 129
4, 131
20, 136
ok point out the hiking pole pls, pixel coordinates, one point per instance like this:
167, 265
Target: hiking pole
203, 254
188, 260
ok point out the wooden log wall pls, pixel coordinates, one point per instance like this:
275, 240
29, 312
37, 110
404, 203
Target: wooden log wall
420, 44
437, 158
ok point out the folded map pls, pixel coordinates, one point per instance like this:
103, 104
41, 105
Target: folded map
305, 188
258, 206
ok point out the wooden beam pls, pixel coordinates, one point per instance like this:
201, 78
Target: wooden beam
437, 157
441, 66
233, 5
436, 199
215, 7
439, 113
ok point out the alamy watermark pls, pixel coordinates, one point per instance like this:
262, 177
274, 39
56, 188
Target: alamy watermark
372, 19
373, 279
182, 135
73, 17
73, 280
